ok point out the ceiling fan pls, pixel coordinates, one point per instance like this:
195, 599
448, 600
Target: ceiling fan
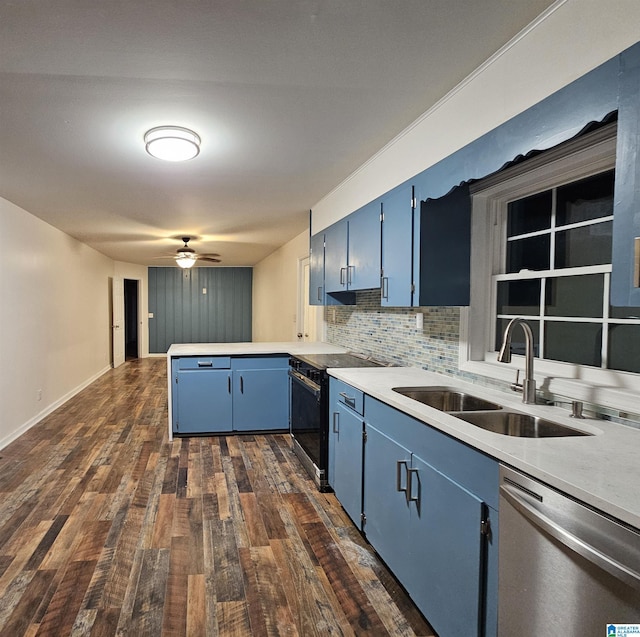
186, 257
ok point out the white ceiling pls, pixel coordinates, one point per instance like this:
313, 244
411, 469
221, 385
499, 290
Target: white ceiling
289, 97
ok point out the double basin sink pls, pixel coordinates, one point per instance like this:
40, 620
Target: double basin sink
487, 415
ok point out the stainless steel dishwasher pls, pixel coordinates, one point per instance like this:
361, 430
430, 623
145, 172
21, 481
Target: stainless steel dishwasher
564, 568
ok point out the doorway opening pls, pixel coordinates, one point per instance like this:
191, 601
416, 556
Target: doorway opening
130, 319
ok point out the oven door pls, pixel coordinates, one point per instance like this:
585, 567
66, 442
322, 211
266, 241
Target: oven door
305, 421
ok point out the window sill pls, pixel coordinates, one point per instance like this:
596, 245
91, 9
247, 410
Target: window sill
619, 395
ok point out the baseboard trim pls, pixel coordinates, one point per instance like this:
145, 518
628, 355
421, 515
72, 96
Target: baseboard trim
50, 408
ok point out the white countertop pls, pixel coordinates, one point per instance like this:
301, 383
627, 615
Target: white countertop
241, 349
602, 470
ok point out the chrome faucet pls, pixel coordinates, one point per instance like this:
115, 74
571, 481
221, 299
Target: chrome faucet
504, 356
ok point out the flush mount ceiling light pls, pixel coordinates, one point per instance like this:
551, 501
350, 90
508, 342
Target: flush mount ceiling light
172, 143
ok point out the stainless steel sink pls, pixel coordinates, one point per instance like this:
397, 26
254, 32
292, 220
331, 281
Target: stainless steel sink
510, 423
446, 398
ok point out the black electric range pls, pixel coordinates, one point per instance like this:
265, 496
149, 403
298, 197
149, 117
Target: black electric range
309, 420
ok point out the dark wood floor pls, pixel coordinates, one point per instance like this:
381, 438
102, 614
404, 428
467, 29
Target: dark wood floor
107, 528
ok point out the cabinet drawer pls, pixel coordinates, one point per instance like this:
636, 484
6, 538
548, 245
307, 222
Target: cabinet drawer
260, 362
204, 362
347, 395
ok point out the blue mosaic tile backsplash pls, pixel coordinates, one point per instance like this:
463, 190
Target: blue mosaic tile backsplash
390, 334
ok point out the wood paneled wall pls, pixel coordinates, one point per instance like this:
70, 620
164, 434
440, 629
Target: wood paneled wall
183, 313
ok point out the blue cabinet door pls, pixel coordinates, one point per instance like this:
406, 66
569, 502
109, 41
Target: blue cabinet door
397, 242
385, 503
443, 253
316, 269
335, 257
260, 399
363, 271
203, 401
445, 548
346, 429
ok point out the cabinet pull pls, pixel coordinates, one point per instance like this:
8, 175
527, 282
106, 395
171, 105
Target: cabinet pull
350, 401
399, 465
241, 384
336, 422
350, 268
385, 288
342, 275
205, 363
636, 262
229, 384
319, 293
409, 491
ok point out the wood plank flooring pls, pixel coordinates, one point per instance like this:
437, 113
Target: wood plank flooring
107, 528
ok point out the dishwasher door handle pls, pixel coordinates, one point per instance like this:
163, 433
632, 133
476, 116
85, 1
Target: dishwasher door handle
568, 539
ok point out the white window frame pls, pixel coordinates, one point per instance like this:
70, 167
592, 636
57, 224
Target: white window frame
580, 158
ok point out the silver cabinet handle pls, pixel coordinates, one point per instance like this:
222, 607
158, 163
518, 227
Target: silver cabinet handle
350, 401
350, 269
399, 465
205, 363
336, 422
409, 491
342, 275
319, 293
552, 528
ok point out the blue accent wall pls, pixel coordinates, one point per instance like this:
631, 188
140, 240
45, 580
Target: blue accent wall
182, 313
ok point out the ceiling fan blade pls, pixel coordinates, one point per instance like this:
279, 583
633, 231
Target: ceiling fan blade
210, 259
206, 255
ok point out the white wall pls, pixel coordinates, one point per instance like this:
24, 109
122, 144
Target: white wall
54, 318
566, 42
275, 292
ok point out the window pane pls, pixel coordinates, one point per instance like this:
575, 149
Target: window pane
625, 312
519, 297
586, 199
574, 296
579, 343
529, 214
529, 254
517, 338
624, 348
588, 245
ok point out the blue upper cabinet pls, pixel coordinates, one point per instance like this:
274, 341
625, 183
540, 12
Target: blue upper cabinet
363, 269
443, 249
352, 254
440, 230
316, 269
335, 257
397, 234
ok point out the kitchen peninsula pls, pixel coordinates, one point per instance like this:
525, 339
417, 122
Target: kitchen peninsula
212, 356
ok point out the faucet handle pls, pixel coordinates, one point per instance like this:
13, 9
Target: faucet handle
517, 386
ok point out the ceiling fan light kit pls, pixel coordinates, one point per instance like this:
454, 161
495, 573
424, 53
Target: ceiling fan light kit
172, 143
185, 261
186, 257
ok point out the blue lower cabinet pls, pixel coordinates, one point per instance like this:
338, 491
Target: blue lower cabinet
203, 401
433, 529
445, 549
345, 435
260, 399
386, 508
219, 394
